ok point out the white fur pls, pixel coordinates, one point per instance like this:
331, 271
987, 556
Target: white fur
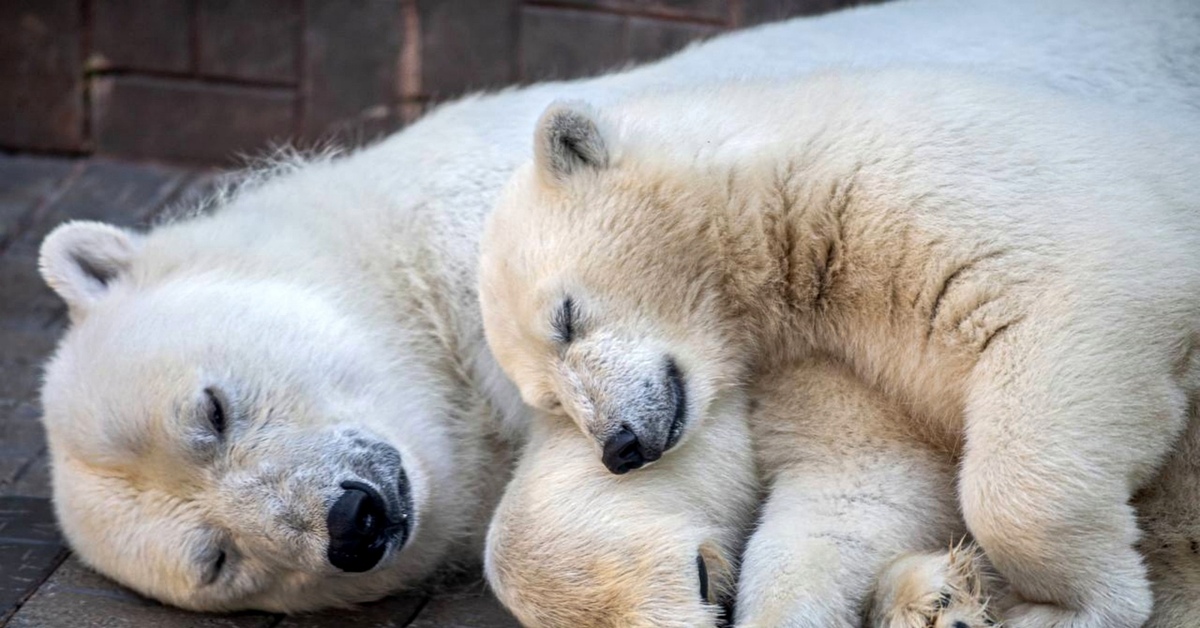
343, 292
1021, 270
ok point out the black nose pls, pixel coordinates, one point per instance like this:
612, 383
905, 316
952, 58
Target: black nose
357, 525
623, 452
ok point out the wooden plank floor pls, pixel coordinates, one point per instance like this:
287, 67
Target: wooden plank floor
41, 584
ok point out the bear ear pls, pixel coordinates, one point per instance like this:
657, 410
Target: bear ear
80, 260
568, 140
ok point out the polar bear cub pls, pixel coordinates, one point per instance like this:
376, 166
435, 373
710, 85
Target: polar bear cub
859, 516
1021, 271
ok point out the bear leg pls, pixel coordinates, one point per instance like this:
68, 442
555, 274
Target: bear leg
1061, 429
849, 491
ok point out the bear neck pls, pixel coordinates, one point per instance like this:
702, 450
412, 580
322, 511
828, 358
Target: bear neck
776, 234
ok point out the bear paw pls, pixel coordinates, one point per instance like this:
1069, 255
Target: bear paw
935, 590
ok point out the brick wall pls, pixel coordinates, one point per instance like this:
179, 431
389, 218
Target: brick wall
200, 81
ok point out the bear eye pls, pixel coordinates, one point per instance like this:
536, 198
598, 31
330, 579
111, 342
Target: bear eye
215, 567
217, 416
564, 321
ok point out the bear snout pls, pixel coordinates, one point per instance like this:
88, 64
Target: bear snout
360, 528
624, 452
652, 420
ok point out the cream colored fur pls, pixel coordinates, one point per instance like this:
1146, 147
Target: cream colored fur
851, 496
573, 545
1019, 271
947, 589
851, 488
335, 298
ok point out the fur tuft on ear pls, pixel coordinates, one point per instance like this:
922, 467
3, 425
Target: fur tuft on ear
79, 261
568, 140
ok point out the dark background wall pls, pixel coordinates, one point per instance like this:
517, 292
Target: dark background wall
200, 81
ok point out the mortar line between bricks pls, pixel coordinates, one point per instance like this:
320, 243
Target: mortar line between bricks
666, 16
10, 540
57, 562
408, 80
11, 150
24, 468
417, 611
201, 79
119, 595
33, 215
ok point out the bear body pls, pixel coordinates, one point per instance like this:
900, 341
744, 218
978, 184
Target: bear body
860, 523
226, 373
1020, 271
849, 492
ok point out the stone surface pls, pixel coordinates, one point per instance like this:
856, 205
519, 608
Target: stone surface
127, 35
559, 43
651, 39
187, 121
31, 316
26, 341
473, 607
253, 40
30, 549
352, 66
31, 481
41, 91
751, 12
190, 197
25, 182
467, 45
21, 440
28, 520
717, 10
393, 612
23, 568
110, 191
76, 596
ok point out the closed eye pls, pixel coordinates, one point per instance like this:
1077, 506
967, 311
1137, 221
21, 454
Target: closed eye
564, 321
215, 567
217, 415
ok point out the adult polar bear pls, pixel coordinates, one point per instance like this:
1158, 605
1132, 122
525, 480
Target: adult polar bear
307, 362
